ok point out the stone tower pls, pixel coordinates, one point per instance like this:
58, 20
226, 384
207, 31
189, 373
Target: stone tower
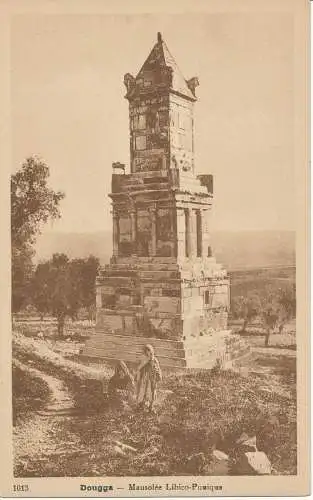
163, 285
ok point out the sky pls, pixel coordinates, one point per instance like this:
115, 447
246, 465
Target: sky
68, 106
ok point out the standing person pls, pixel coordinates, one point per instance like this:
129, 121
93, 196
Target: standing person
121, 386
148, 376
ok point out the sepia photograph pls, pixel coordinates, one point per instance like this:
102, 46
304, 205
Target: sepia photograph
158, 318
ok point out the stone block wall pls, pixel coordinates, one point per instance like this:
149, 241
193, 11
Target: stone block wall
157, 300
149, 120
181, 134
140, 323
204, 307
215, 349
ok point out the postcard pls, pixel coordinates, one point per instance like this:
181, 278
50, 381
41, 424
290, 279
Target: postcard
155, 238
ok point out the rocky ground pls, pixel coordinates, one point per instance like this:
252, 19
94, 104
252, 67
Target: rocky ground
202, 418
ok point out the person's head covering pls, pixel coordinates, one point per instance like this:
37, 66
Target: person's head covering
148, 348
121, 367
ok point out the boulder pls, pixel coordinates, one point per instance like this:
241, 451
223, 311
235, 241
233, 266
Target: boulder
220, 455
253, 463
196, 462
247, 442
125, 447
217, 468
219, 464
118, 451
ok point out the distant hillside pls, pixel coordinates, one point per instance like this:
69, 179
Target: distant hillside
76, 245
244, 249
236, 250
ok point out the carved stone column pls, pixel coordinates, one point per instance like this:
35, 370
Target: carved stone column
173, 231
187, 232
116, 233
180, 233
192, 233
133, 219
199, 233
206, 234
153, 212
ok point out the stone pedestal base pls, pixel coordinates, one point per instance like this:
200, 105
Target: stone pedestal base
215, 349
205, 352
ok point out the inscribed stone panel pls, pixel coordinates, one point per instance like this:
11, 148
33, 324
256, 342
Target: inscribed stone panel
143, 233
125, 228
162, 304
141, 142
124, 301
139, 122
164, 225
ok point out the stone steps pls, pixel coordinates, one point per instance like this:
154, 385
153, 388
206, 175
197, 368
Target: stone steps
107, 347
172, 354
130, 356
101, 340
141, 341
117, 347
111, 350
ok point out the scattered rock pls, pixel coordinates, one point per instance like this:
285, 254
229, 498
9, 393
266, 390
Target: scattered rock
118, 451
116, 432
217, 467
248, 442
253, 463
219, 464
220, 455
125, 447
266, 389
153, 450
243, 437
196, 462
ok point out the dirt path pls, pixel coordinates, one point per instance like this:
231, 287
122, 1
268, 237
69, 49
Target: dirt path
36, 437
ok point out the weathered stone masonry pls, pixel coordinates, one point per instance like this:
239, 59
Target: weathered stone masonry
162, 284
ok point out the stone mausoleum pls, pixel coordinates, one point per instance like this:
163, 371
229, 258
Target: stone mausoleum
163, 285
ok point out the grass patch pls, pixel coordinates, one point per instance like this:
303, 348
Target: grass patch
205, 410
212, 409
30, 393
200, 410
